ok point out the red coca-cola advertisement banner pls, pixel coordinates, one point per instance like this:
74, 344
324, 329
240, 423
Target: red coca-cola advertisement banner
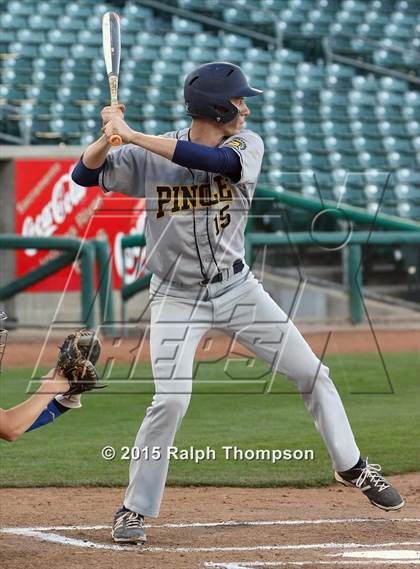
49, 203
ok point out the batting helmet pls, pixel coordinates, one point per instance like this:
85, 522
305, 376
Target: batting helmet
209, 88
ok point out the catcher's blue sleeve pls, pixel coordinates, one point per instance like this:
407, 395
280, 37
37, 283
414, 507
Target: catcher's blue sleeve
51, 412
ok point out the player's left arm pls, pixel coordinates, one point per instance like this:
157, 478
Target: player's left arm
38, 410
249, 148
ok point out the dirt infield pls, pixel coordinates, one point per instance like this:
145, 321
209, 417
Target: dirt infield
282, 527
215, 345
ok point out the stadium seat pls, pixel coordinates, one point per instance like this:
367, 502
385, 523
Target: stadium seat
206, 40
185, 26
50, 9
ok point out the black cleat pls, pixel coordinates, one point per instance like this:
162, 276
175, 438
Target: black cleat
374, 486
128, 527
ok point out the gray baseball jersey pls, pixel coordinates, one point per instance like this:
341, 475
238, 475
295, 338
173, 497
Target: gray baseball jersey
195, 220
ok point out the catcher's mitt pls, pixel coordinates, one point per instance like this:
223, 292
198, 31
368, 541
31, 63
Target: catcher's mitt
76, 360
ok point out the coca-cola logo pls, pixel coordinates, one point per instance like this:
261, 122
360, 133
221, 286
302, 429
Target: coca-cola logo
65, 196
134, 257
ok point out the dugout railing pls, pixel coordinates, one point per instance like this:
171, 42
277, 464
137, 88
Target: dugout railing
398, 231
351, 246
89, 253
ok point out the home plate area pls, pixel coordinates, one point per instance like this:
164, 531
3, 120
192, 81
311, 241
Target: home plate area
232, 544
205, 527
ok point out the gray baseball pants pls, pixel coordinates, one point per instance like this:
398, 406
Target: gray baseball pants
180, 316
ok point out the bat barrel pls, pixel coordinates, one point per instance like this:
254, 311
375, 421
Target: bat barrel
111, 40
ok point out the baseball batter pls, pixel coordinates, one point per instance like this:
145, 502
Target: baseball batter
199, 183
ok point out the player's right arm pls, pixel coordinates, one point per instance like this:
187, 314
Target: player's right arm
119, 170
15, 421
87, 170
95, 154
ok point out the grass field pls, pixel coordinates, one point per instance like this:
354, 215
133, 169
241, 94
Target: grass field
385, 419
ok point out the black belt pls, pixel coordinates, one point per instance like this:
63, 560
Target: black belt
238, 265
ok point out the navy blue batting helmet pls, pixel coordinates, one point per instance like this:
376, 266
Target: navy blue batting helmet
209, 88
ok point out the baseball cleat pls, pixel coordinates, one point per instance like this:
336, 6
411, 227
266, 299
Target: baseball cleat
128, 527
374, 486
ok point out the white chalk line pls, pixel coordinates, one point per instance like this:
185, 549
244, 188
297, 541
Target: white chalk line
63, 540
382, 554
251, 564
228, 523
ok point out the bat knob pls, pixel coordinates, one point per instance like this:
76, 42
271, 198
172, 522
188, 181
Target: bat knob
115, 140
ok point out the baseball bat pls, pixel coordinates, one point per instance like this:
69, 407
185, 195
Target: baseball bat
111, 41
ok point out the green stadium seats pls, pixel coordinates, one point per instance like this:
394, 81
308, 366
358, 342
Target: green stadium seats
30, 36
12, 22
78, 10
86, 138
68, 23
198, 5
288, 180
365, 83
314, 116
185, 26
392, 84
275, 159
235, 41
167, 67
173, 53
368, 129
198, 55
236, 16
23, 49
61, 37
148, 39
80, 51
274, 142
392, 143
230, 54
400, 160
157, 127
38, 22
260, 18
49, 9
91, 38
287, 55
88, 111
177, 40
137, 12
257, 54
309, 128
21, 8
149, 53
408, 175
406, 209
206, 40
416, 143
92, 125
181, 123
408, 192
52, 51
276, 82
336, 128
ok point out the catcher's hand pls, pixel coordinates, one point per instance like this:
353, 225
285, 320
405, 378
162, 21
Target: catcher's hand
76, 360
